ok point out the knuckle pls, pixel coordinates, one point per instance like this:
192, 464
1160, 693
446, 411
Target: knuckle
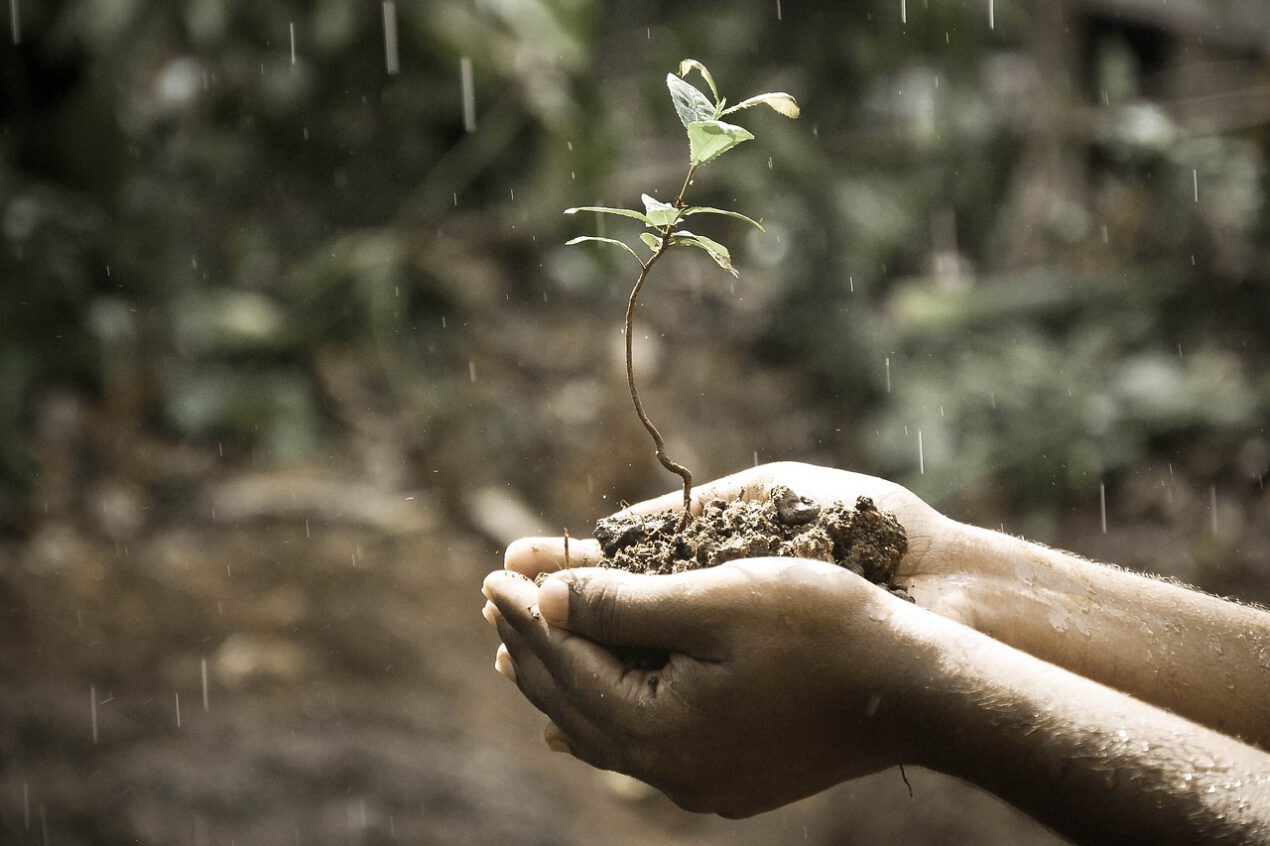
603, 609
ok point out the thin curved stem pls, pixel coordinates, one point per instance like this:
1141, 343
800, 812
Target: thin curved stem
678, 469
674, 467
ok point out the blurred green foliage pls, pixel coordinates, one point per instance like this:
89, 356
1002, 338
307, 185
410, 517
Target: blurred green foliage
1021, 225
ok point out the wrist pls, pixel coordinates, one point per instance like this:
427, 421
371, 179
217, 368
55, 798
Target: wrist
906, 663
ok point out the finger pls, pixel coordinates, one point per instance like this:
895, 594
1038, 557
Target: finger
586, 670
585, 740
503, 663
681, 612
531, 556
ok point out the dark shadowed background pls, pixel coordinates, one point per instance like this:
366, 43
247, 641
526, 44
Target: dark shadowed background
290, 348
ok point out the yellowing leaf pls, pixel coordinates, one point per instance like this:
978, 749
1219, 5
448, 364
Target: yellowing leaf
688, 65
778, 101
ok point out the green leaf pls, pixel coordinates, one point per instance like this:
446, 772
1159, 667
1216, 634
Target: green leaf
688, 65
659, 214
638, 215
690, 104
709, 139
653, 242
717, 251
779, 101
613, 241
691, 210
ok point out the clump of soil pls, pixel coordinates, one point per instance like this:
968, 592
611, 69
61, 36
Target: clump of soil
863, 539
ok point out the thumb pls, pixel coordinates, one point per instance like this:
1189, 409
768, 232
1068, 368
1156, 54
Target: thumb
617, 608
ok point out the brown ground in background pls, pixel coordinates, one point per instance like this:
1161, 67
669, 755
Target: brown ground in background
349, 695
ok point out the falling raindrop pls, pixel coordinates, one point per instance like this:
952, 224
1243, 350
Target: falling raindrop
992, 15
1106, 239
16, 22
469, 94
778, 11
888, 374
755, 458
177, 697
1212, 507
306, 528
203, 668
851, 284
921, 454
1195, 182
292, 27
1102, 505
471, 370
390, 37
903, 11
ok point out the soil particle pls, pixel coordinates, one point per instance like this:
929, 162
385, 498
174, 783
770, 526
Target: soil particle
863, 539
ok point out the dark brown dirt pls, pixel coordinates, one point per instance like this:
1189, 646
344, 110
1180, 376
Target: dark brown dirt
863, 539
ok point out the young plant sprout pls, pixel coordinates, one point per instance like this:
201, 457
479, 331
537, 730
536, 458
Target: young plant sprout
708, 138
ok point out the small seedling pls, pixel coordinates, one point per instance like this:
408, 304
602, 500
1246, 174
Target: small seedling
708, 138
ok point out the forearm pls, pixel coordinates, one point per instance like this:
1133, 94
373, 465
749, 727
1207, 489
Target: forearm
1092, 763
1203, 657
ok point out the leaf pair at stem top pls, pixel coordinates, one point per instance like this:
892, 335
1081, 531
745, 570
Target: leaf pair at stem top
708, 138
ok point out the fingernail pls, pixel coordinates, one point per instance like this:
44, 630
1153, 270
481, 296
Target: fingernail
490, 613
503, 663
553, 601
485, 585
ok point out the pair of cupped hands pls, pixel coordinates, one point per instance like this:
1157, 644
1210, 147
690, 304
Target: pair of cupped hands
785, 676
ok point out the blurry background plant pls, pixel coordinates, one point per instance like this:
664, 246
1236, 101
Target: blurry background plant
1019, 259
203, 199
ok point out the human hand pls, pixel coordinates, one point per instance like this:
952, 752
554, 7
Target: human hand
935, 578
785, 676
